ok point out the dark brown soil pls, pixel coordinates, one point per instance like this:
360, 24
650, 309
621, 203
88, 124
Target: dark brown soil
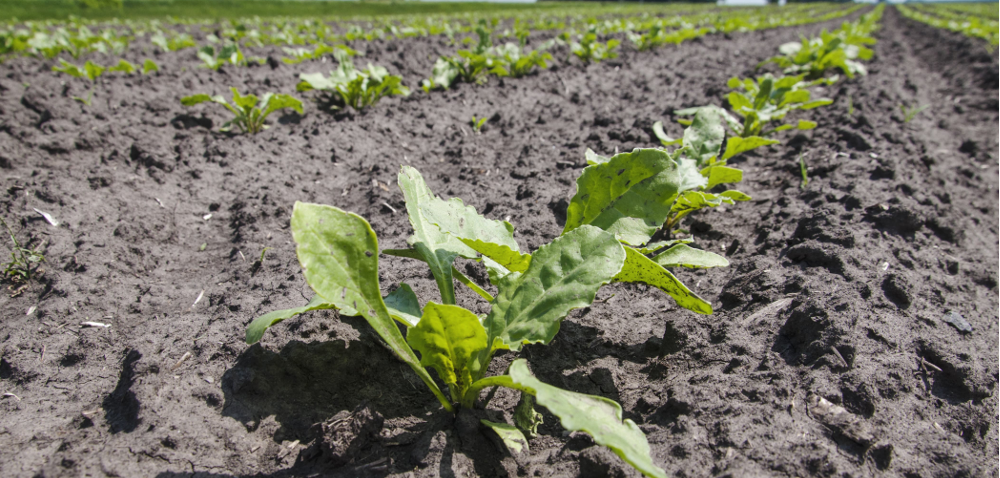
837, 293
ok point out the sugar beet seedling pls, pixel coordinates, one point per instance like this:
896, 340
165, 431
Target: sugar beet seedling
249, 111
339, 253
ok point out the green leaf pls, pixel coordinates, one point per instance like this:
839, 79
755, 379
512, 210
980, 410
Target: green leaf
149, 66
456, 219
123, 66
403, 305
195, 99
511, 436
338, 252
655, 246
639, 268
69, 69
703, 138
438, 249
803, 124
93, 70
564, 275
630, 195
245, 102
735, 195
281, 101
594, 158
661, 135
816, 103
449, 338
683, 255
722, 175
525, 416
736, 145
597, 416
259, 325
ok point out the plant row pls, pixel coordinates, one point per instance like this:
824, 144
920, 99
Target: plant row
968, 24
621, 226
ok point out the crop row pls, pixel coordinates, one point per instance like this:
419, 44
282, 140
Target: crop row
622, 225
969, 24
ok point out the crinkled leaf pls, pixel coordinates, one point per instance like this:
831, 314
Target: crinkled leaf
639, 268
631, 194
403, 305
449, 339
736, 145
564, 275
512, 438
438, 249
259, 325
599, 417
703, 138
338, 252
683, 255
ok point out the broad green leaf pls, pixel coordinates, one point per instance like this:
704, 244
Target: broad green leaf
149, 66
245, 102
311, 81
738, 101
195, 99
259, 325
123, 66
599, 417
703, 138
403, 305
736, 145
502, 254
639, 268
564, 275
338, 252
631, 194
477, 232
69, 69
438, 249
511, 436
449, 339
93, 70
722, 175
279, 101
735, 195
683, 255
803, 124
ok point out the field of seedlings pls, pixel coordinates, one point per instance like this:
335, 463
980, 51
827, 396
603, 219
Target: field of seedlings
597, 240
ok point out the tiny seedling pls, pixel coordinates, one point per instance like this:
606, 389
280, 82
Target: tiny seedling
91, 71
910, 113
358, 89
229, 54
23, 263
477, 124
250, 112
804, 170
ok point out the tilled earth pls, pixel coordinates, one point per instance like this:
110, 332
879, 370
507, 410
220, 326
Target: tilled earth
833, 350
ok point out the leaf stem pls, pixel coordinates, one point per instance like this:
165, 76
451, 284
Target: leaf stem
469, 400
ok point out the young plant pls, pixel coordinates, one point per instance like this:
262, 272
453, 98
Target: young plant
355, 88
229, 54
910, 113
469, 66
249, 111
804, 170
149, 66
764, 101
90, 71
298, 55
24, 262
477, 123
339, 254
588, 49
515, 62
